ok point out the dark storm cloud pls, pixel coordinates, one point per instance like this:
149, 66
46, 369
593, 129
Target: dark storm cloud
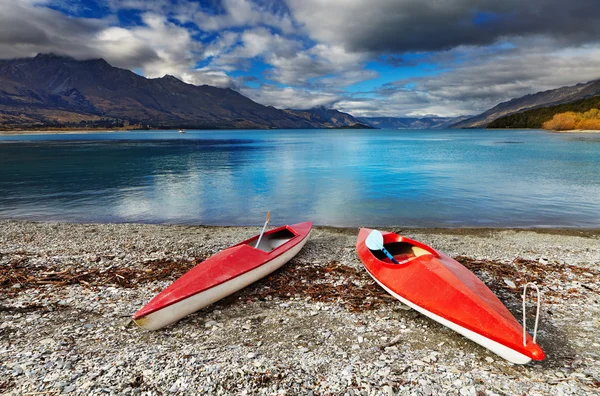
415, 25
22, 25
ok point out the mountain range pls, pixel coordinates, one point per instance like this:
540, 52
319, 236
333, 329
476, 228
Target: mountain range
56, 90
411, 122
551, 97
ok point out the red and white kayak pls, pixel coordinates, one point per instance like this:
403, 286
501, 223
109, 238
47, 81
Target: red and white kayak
223, 274
444, 290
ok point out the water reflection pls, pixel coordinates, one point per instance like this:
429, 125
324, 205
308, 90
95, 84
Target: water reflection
346, 178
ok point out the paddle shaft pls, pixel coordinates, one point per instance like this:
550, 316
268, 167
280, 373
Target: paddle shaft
384, 250
263, 229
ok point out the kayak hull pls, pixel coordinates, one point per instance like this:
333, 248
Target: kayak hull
445, 291
198, 289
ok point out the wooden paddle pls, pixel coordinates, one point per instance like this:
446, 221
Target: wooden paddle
264, 228
375, 242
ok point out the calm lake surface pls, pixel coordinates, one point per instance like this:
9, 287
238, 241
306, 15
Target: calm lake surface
417, 178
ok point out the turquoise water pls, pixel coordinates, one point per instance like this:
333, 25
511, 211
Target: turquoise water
334, 177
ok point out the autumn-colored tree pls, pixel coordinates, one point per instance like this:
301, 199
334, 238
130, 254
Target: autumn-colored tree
571, 120
561, 122
589, 124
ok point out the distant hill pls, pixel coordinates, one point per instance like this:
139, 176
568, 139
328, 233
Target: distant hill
540, 99
51, 90
536, 117
410, 123
329, 117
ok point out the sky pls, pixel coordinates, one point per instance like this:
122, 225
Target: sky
392, 58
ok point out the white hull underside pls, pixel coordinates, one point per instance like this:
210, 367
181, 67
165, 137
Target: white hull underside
501, 350
172, 313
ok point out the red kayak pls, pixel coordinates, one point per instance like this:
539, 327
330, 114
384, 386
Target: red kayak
223, 274
445, 291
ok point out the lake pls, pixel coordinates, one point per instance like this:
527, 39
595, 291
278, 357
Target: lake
421, 178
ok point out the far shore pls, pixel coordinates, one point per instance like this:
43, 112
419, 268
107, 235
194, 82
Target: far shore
63, 131
578, 131
88, 131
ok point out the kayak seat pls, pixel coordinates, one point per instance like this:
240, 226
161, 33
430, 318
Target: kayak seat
403, 252
272, 241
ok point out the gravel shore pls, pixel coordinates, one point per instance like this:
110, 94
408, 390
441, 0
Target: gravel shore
317, 326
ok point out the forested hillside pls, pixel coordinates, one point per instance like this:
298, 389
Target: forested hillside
536, 117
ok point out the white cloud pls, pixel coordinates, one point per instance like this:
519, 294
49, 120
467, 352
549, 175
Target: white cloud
208, 76
236, 13
289, 98
172, 44
478, 82
318, 62
157, 47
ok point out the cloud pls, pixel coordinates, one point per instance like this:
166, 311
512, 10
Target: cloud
289, 98
481, 80
172, 45
26, 29
302, 53
319, 61
415, 25
233, 50
157, 47
208, 76
236, 13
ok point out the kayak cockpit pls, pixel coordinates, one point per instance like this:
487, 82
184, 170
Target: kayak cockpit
403, 252
272, 240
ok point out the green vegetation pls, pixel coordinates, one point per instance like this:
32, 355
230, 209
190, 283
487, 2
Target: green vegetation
536, 117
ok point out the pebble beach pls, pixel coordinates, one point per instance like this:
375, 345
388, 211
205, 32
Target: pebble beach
319, 325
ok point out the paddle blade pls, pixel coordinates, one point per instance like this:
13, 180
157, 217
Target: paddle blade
268, 216
375, 240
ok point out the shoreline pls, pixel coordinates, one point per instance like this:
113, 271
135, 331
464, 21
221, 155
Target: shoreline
319, 324
66, 132
577, 131
90, 131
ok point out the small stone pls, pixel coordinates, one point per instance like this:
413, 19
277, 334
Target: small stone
210, 323
489, 359
465, 391
251, 355
510, 283
69, 389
